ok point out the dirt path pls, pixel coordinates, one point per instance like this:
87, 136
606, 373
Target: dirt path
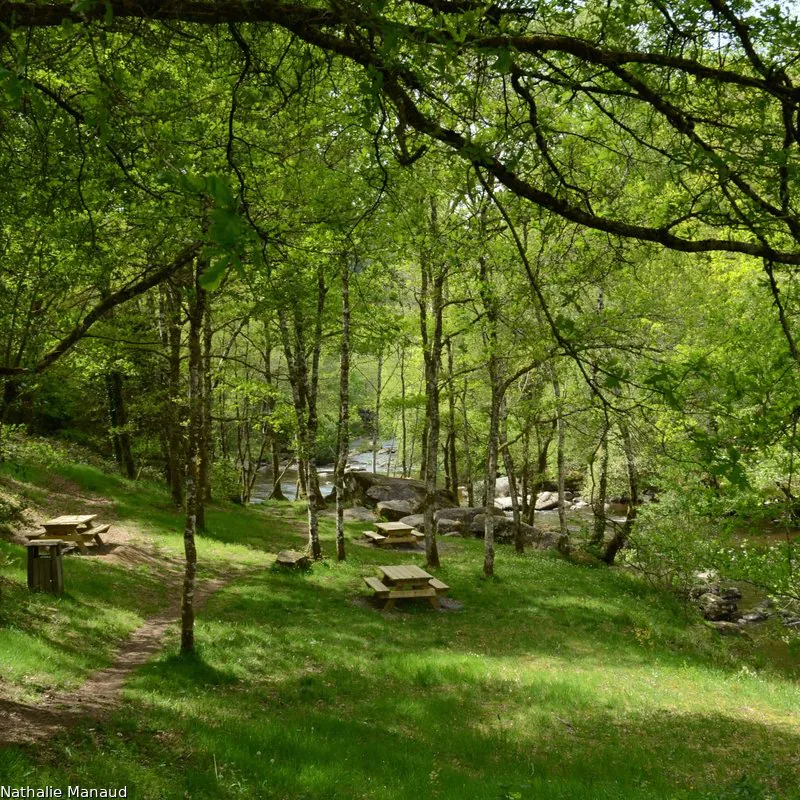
24, 723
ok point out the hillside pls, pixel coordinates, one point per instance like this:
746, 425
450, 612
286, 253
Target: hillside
555, 680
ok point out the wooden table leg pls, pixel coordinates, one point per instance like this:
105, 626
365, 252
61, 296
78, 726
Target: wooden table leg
434, 601
389, 604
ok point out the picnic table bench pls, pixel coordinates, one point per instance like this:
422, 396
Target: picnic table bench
76, 528
406, 581
393, 533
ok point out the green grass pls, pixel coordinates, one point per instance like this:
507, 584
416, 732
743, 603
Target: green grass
554, 681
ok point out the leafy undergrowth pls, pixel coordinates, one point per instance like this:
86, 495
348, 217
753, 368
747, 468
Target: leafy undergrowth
553, 681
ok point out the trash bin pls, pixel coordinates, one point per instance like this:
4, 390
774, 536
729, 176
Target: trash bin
44, 566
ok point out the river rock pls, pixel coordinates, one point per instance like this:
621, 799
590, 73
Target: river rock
756, 615
546, 501
545, 540
504, 503
728, 628
368, 489
464, 514
503, 529
415, 521
360, 514
578, 503
395, 510
501, 487
447, 526
716, 608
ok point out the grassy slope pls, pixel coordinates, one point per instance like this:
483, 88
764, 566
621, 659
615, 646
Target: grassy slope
555, 681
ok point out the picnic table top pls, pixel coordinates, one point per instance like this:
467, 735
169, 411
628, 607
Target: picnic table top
70, 519
409, 573
393, 527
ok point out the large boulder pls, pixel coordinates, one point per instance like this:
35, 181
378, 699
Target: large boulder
501, 487
464, 514
369, 489
547, 501
414, 520
450, 526
504, 532
716, 608
360, 514
395, 510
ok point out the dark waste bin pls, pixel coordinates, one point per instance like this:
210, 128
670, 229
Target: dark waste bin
44, 566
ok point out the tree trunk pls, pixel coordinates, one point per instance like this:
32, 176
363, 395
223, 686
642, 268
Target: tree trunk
207, 440
343, 432
469, 477
304, 394
491, 473
406, 472
174, 410
599, 499
193, 498
376, 425
203, 428
113, 417
119, 422
621, 534
274, 446
526, 471
543, 449
450, 453
432, 353
563, 538
491, 306
508, 463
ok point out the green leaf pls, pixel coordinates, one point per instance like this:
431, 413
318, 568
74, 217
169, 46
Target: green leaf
211, 278
504, 61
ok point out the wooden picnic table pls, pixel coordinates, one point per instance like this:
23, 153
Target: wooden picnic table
402, 581
76, 528
392, 533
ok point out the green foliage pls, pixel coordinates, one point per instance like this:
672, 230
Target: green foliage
225, 480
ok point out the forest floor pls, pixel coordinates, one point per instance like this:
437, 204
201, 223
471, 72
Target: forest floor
553, 680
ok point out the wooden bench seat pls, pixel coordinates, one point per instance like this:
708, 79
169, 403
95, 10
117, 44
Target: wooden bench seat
418, 534
94, 533
374, 536
439, 586
378, 586
391, 540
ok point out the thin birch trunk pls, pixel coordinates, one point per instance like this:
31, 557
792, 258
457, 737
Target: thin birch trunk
343, 432
451, 455
469, 477
403, 424
376, 430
